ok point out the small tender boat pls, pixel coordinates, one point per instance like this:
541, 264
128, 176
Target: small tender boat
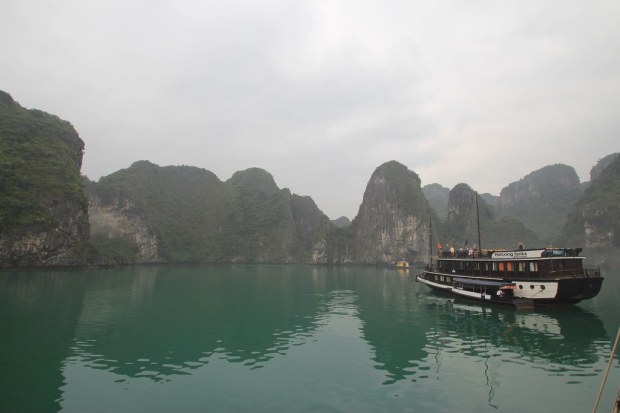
402, 264
521, 278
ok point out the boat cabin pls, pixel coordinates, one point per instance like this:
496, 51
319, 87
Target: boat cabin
522, 264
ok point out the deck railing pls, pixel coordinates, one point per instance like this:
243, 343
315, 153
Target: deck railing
592, 272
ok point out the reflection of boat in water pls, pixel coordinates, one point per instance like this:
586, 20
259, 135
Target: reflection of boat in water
520, 278
554, 341
535, 333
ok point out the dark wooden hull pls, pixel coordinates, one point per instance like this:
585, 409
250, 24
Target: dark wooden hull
541, 292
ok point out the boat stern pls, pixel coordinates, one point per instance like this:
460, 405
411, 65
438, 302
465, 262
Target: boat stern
578, 289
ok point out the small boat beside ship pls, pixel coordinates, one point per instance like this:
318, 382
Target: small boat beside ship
521, 278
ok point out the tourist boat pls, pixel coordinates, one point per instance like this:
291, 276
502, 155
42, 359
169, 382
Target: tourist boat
521, 277
402, 264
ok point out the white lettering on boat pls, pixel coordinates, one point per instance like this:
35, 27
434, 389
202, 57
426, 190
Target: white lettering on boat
518, 254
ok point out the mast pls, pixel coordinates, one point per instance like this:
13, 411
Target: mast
478, 225
430, 237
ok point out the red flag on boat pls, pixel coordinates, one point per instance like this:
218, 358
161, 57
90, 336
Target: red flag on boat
439, 245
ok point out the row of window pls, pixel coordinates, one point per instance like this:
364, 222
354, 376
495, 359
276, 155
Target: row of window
446, 280
486, 266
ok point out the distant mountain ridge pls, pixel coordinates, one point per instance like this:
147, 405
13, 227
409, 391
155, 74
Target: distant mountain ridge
146, 213
542, 199
192, 216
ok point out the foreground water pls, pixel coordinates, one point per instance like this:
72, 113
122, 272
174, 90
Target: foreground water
290, 338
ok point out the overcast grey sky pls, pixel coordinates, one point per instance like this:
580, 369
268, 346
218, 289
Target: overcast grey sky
319, 93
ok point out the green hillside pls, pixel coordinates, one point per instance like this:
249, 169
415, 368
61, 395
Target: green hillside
188, 208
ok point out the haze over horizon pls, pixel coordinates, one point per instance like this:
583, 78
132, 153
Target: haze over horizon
321, 93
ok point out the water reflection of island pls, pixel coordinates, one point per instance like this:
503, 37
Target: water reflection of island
245, 315
156, 322
38, 314
149, 322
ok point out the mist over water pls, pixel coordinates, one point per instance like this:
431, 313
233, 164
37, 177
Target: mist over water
282, 338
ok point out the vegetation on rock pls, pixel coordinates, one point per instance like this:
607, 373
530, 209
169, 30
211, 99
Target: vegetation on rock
43, 208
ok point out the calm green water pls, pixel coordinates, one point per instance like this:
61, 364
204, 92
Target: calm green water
290, 338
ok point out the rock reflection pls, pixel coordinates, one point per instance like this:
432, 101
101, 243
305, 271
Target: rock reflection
38, 313
155, 324
171, 321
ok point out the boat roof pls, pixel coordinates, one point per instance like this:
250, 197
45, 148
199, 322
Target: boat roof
536, 253
548, 252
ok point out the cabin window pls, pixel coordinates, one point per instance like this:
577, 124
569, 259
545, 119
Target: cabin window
501, 266
561, 265
521, 267
494, 266
509, 266
533, 266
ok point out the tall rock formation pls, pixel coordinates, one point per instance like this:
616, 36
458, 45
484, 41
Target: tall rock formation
438, 197
595, 221
463, 216
542, 199
43, 208
263, 218
393, 219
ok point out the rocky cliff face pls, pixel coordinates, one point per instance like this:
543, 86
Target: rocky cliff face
462, 216
121, 230
438, 197
601, 165
393, 219
314, 231
542, 199
43, 209
462, 223
59, 243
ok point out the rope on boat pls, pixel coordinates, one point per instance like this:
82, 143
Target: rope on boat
611, 357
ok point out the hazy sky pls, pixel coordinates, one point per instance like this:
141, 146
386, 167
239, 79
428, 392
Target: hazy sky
319, 93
